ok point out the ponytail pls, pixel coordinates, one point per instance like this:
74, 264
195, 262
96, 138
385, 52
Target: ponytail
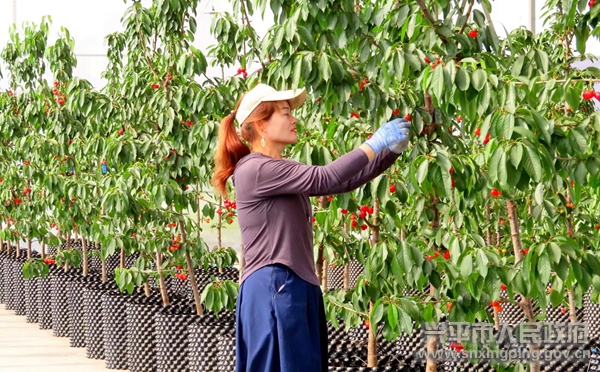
230, 149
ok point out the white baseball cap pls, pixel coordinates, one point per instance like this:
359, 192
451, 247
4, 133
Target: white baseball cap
265, 93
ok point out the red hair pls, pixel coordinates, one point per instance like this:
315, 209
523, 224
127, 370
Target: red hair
230, 147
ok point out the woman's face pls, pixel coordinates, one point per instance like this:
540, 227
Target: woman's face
280, 129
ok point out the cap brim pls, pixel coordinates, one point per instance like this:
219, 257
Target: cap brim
295, 97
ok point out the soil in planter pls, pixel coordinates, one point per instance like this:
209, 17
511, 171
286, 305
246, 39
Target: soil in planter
76, 308
140, 333
170, 333
212, 343
93, 318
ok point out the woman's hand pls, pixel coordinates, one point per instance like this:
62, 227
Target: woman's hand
393, 134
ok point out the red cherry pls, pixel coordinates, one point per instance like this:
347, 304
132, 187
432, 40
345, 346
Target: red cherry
487, 139
393, 188
447, 255
588, 94
427, 60
473, 34
495, 193
429, 258
230, 222
354, 224
569, 232
525, 251
477, 131
597, 226
364, 208
503, 287
563, 310
344, 211
364, 227
396, 112
408, 117
451, 170
314, 220
121, 132
362, 214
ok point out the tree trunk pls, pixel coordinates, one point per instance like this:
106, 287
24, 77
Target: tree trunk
104, 273
347, 266
146, 289
84, 255
432, 343
526, 303
122, 258
28, 248
68, 242
190, 268
372, 345
488, 217
43, 252
18, 248
161, 279
220, 223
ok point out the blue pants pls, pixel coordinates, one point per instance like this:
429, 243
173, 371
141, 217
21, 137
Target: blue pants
280, 323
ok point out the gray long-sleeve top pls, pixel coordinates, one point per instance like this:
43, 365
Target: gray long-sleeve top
274, 210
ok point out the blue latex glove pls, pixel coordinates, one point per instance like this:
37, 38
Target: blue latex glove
390, 135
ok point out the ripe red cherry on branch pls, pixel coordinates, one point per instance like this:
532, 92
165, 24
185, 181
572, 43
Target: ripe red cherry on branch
354, 224
487, 139
597, 226
597, 95
495, 193
408, 117
393, 188
477, 131
121, 132
396, 112
427, 60
473, 34
344, 211
591, 3
588, 94
503, 287
364, 227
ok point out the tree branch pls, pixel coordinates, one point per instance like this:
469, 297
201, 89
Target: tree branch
462, 29
251, 29
425, 11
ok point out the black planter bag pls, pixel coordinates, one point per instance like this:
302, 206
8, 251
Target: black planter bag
212, 343
76, 307
31, 302
60, 302
3, 257
18, 287
114, 329
44, 298
7, 276
140, 333
171, 337
93, 319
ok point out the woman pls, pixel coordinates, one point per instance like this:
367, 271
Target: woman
280, 314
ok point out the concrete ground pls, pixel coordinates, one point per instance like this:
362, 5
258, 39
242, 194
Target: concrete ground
26, 348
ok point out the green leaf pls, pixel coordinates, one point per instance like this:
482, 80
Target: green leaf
377, 314
532, 163
544, 268
405, 322
306, 37
516, 154
482, 263
577, 139
392, 316
463, 80
478, 79
324, 67
422, 172
466, 266
437, 83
